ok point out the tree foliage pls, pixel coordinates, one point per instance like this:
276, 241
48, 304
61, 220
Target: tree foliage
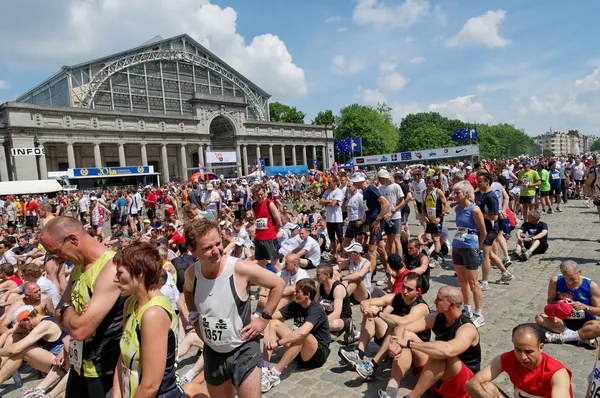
373, 125
325, 118
285, 114
596, 145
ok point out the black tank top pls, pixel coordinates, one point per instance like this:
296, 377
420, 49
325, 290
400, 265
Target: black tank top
472, 356
327, 301
412, 264
50, 345
401, 309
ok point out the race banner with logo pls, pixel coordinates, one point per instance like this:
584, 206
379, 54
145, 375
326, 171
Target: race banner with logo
220, 157
416, 156
110, 171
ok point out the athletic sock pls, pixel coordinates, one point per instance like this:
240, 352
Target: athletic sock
375, 365
571, 335
479, 311
467, 309
191, 374
275, 372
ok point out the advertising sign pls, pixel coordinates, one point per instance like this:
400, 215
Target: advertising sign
111, 171
27, 151
220, 157
415, 156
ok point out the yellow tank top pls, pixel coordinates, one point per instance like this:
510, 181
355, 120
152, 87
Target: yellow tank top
431, 205
131, 347
173, 275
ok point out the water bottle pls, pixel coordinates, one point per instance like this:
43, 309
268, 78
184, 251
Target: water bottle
17, 379
481, 257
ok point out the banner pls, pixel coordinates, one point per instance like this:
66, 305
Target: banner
415, 156
27, 151
284, 170
221, 157
111, 171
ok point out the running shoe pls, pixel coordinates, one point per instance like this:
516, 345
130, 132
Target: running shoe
351, 356
478, 320
589, 344
349, 332
269, 380
507, 262
559, 210
506, 277
365, 370
383, 394
484, 285
554, 338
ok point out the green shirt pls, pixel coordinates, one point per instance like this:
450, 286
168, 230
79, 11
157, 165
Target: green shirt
528, 177
545, 177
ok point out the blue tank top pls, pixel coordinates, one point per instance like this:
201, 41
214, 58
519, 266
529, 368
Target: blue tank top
50, 345
467, 234
583, 294
555, 179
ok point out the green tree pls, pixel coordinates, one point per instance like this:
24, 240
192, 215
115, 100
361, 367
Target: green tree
325, 118
373, 125
596, 145
285, 114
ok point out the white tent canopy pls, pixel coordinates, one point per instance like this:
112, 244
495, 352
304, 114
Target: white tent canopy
29, 187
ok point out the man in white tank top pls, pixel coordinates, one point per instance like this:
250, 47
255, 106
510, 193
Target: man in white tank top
216, 292
358, 280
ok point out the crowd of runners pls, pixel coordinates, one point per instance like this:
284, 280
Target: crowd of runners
103, 292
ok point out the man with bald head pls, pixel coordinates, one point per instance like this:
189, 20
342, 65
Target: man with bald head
530, 370
444, 365
33, 296
90, 310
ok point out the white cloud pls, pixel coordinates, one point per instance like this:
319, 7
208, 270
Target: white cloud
346, 66
390, 80
439, 15
371, 96
75, 31
400, 110
379, 14
342, 29
4, 85
465, 108
482, 29
334, 18
417, 60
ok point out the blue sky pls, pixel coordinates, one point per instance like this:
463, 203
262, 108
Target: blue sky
534, 64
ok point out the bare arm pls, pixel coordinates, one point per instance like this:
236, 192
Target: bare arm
417, 312
561, 384
358, 276
40, 331
478, 218
552, 290
276, 216
298, 334
338, 298
475, 386
465, 335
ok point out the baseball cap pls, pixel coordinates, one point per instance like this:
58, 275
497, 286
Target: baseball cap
93, 198
209, 186
560, 310
357, 177
469, 168
354, 247
383, 173
244, 182
21, 313
526, 161
146, 221
394, 260
239, 241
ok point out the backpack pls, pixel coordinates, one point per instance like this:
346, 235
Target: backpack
181, 264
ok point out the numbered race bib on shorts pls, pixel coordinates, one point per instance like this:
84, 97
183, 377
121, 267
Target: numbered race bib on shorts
216, 331
125, 376
262, 223
594, 381
76, 353
577, 314
461, 234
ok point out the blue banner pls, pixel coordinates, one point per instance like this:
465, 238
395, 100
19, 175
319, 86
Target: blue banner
262, 163
284, 170
356, 144
315, 163
111, 171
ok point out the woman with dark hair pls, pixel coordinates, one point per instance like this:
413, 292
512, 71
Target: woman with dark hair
150, 327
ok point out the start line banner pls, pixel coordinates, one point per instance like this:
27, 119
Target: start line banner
415, 156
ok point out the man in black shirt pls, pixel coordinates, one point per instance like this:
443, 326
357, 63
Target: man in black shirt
399, 179
24, 246
532, 236
308, 344
445, 364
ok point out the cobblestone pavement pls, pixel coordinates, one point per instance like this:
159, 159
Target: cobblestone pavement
573, 235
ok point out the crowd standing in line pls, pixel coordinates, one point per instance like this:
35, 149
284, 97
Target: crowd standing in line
221, 265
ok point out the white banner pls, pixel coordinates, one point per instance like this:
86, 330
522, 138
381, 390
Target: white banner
415, 156
220, 157
27, 151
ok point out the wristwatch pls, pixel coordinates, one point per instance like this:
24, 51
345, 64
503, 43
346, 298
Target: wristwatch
267, 316
587, 308
378, 312
62, 309
408, 342
193, 317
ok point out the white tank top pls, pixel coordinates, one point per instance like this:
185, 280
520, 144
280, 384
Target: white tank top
223, 313
353, 267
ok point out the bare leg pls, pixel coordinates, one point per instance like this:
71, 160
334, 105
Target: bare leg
436, 369
590, 330
250, 388
226, 390
552, 324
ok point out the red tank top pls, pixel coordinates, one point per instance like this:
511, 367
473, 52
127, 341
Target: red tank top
537, 382
265, 227
15, 279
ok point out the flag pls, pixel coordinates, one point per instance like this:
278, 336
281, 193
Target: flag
343, 145
460, 135
473, 133
356, 144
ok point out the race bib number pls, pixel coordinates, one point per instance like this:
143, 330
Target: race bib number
556, 176
125, 376
525, 180
262, 223
461, 234
594, 382
327, 305
431, 213
577, 314
216, 331
76, 353
521, 394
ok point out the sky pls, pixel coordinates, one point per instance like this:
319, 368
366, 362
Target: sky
534, 64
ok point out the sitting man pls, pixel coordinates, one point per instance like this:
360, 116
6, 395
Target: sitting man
416, 260
32, 295
290, 273
334, 299
358, 280
308, 344
308, 249
444, 365
10, 281
37, 339
380, 317
531, 371
532, 236
583, 295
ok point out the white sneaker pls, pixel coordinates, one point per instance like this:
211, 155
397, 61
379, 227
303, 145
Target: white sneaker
478, 320
382, 282
506, 277
269, 380
484, 285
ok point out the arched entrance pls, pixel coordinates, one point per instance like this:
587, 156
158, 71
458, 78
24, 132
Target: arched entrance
222, 138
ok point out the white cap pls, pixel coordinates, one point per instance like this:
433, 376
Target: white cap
240, 241
383, 173
357, 177
209, 186
15, 316
354, 247
93, 198
469, 168
244, 182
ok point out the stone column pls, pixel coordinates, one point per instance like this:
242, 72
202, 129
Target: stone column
314, 157
238, 161
304, 158
200, 155
245, 161
164, 160
294, 163
184, 172
207, 165
258, 157
324, 155
144, 153
283, 155
42, 163
97, 155
271, 158
3, 164
122, 161
71, 155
